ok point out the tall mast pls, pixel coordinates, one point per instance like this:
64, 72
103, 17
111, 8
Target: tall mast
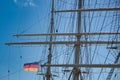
48, 74
76, 70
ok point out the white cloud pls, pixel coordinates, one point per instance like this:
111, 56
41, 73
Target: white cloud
25, 3
32, 4
15, 1
29, 3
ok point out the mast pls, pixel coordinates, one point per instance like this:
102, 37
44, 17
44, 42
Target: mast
48, 74
76, 71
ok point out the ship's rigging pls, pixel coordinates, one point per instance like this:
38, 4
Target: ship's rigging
89, 36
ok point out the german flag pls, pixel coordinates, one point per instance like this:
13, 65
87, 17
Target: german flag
31, 67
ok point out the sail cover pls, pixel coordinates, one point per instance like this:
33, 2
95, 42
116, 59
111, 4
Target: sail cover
31, 67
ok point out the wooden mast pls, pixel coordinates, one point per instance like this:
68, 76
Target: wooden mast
76, 70
48, 73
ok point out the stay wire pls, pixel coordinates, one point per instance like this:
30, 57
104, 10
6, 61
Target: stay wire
10, 74
99, 35
105, 59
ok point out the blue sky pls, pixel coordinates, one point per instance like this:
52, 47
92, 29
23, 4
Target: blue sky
32, 16
20, 16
